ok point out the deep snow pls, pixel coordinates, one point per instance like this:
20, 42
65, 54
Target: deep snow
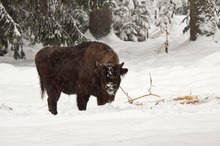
189, 67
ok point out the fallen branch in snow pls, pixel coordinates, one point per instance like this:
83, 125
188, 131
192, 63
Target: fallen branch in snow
4, 107
131, 100
128, 97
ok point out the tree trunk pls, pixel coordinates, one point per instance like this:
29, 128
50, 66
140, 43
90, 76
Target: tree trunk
202, 19
43, 7
194, 27
100, 21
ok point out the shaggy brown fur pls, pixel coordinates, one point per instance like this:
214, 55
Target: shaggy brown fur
91, 68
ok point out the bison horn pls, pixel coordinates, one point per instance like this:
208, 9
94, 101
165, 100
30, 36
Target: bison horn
120, 65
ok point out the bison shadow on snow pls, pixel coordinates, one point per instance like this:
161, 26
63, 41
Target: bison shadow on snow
90, 68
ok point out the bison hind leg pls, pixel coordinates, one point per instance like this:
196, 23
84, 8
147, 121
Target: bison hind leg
53, 97
82, 100
52, 106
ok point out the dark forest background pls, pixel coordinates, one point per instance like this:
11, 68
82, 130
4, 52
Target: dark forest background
65, 22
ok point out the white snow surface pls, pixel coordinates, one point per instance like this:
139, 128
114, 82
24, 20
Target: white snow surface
188, 68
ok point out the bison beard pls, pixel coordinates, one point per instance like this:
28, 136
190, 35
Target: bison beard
91, 68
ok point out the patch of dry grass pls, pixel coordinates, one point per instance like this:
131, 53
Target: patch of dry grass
188, 99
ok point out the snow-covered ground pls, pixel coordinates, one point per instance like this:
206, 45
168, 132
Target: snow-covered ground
190, 68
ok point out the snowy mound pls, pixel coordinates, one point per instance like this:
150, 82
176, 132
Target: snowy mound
190, 68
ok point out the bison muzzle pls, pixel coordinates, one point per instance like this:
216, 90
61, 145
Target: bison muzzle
90, 68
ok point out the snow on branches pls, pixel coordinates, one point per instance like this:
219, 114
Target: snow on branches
132, 20
10, 33
7, 24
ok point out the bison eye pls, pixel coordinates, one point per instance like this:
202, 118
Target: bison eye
110, 74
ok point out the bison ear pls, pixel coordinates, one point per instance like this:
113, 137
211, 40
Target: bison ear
120, 65
124, 71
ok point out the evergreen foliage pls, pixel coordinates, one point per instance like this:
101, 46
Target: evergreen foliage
59, 26
202, 19
10, 33
64, 22
90, 5
132, 20
165, 13
50, 22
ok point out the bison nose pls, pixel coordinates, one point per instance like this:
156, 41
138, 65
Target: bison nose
111, 88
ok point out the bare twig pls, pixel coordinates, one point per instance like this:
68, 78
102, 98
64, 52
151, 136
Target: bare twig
149, 90
151, 83
150, 94
131, 100
128, 97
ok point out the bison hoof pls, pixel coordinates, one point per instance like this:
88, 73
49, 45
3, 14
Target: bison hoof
82, 108
54, 112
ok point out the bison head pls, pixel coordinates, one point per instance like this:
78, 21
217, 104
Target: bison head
110, 76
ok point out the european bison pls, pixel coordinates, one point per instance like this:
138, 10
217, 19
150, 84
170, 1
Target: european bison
90, 68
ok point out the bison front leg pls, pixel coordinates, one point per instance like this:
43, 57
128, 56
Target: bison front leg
82, 100
100, 101
53, 97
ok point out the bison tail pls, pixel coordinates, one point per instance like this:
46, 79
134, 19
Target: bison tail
41, 85
42, 88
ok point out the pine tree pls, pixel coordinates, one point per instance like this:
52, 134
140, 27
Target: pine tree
142, 19
202, 19
59, 26
51, 22
165, 13
132, 20
182, 7
122, 25
10, 33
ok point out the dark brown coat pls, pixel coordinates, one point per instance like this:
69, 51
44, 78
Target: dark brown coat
91, 68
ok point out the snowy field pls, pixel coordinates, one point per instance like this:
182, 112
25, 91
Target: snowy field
190, 68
